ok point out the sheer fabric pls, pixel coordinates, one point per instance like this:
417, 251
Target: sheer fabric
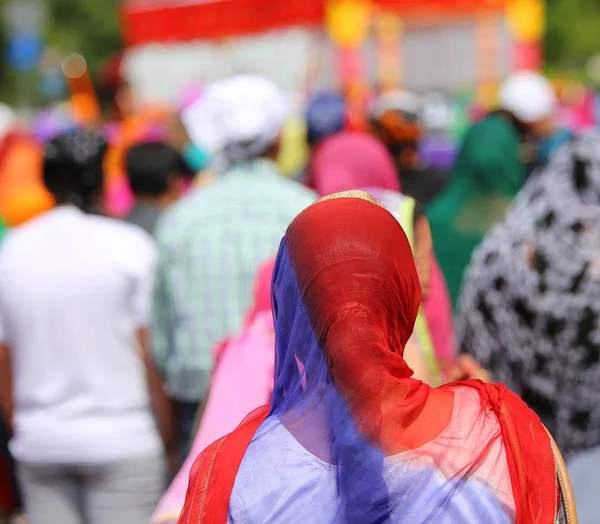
345, 298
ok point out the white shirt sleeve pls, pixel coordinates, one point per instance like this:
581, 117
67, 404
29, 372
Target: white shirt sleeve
3, 329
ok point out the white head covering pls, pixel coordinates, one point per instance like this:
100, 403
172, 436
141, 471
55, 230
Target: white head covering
8, 120
529, 96
241, 116
395, 100
437, 111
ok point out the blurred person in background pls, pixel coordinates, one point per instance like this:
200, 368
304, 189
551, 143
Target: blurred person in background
126, 121
156, 174
488, 173
242, 381
439, 116
196, 158
546, 139
9, 495
9, 500
325, 117
395, 120
531, 303
22, 192
77, 380
212, 242
350, 161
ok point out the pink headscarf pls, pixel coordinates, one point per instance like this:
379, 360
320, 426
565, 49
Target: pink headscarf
246, 360
349, 161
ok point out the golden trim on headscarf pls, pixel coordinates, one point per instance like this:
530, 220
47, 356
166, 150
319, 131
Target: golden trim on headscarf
355, 193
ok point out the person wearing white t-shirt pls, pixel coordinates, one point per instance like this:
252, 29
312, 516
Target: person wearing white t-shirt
76, 380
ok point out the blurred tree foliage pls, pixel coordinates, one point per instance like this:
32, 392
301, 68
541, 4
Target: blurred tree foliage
572, 33
89, 27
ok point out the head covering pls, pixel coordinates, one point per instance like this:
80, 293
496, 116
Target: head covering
325, 116
22, 203
396, 100
349, 161
529, 96
531, 302
241, 116
8, 120
383, 446
50, 123
395, 121
73, 166
437, 112
487, 175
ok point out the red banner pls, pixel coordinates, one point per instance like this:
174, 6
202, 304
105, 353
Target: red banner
148, 22
214, 20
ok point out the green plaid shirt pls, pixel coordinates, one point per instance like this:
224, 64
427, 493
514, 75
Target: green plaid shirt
211, 244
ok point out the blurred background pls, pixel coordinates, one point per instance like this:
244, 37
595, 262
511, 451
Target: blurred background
64, 62
470, 45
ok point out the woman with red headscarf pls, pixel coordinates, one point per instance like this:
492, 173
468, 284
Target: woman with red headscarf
349, 435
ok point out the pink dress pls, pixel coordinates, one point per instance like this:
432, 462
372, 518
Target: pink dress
246, 360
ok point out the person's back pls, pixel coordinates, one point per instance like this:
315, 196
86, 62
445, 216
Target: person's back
221, 235
77, 378
298, 487
212, 242
485, 178
488, 173
156, 174
70, 303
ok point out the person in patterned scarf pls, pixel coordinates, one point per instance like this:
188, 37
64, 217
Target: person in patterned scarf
530, 307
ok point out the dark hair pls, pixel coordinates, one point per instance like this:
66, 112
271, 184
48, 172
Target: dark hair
73, 168
149, 166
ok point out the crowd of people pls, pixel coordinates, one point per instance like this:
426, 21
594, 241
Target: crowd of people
247, 347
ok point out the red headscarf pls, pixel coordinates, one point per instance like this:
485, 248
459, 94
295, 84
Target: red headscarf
346, 268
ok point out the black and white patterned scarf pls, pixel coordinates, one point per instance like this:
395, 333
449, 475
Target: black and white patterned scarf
530, 308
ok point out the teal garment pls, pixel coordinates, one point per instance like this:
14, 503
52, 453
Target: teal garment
2, 230
196, 159
487, 175
551, 144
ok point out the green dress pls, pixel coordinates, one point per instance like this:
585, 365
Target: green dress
487, 175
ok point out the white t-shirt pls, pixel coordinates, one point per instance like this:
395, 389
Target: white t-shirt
74, 289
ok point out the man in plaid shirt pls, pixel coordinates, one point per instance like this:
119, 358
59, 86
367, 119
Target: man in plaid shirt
212, 242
